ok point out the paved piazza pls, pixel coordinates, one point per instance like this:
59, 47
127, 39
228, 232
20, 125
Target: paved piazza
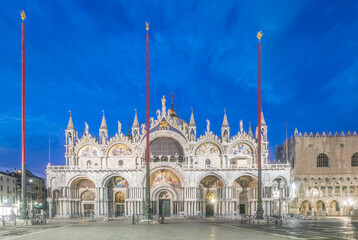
337, 228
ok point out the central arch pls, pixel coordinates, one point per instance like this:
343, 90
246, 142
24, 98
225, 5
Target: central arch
166, 187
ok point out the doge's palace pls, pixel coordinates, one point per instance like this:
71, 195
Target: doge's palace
205, 175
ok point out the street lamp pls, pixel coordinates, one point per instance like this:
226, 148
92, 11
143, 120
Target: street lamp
350, 204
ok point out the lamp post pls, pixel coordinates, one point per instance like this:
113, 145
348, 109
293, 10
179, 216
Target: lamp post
349, 203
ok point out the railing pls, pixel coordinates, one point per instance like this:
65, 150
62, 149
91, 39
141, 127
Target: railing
8, 220
12, 219
248, 219
156, 164
38, 220
277, 219
137, 218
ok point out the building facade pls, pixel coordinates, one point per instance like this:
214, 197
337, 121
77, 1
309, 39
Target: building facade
324, 172
8, 202
206, 175
35, 191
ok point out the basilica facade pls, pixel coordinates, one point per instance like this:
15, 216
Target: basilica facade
190, 175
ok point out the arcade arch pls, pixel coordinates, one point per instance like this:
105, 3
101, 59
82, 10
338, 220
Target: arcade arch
84, 190
245, 189
115, 189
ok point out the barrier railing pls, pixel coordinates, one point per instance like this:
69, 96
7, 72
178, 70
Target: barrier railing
250, 219
182, 165
137, 218
277, 219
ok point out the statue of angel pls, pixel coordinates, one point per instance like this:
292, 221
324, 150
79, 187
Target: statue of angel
119, 127
207, 125
86, 129
158, 114
143, 128
151, 122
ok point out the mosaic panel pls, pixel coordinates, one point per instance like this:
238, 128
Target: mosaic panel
241, 149
207, 149
88, 151
120, 150
164, 177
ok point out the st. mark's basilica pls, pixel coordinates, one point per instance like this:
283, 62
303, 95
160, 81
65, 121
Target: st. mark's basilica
191, 174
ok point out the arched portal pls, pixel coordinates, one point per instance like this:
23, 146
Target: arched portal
166, 187
305, 208
116, 192
333, 208
164, 203
211, 188
246, 189
320, 208
85, 191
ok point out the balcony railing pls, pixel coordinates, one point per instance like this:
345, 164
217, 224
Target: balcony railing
184, 166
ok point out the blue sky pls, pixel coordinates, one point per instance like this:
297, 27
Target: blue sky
89, 56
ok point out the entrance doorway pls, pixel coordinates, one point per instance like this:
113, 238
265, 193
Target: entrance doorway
242, 209
120, 199
209, 210
164, 207
88, 210
119, 210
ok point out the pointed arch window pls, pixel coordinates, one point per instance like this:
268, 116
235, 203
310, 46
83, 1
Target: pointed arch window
355, 160
89, 163
322, 160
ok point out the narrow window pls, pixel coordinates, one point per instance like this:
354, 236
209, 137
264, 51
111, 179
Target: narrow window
355, 160
322, 160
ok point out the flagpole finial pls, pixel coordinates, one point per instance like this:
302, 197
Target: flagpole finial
147, 26
23, 16
259, 35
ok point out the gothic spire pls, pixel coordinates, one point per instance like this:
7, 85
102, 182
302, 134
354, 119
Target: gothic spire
135, 122
70, 124
192, 120
103, 124
250, 131
225, 122
263, 123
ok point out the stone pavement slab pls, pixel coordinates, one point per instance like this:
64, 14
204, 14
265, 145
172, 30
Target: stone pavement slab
119, 230
184, 229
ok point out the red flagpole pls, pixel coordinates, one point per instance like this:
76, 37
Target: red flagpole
23, 96
147, 152
259, 111
260, 210
148, 211
23, 206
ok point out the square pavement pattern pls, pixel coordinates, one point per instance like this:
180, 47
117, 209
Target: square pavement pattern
190, 229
